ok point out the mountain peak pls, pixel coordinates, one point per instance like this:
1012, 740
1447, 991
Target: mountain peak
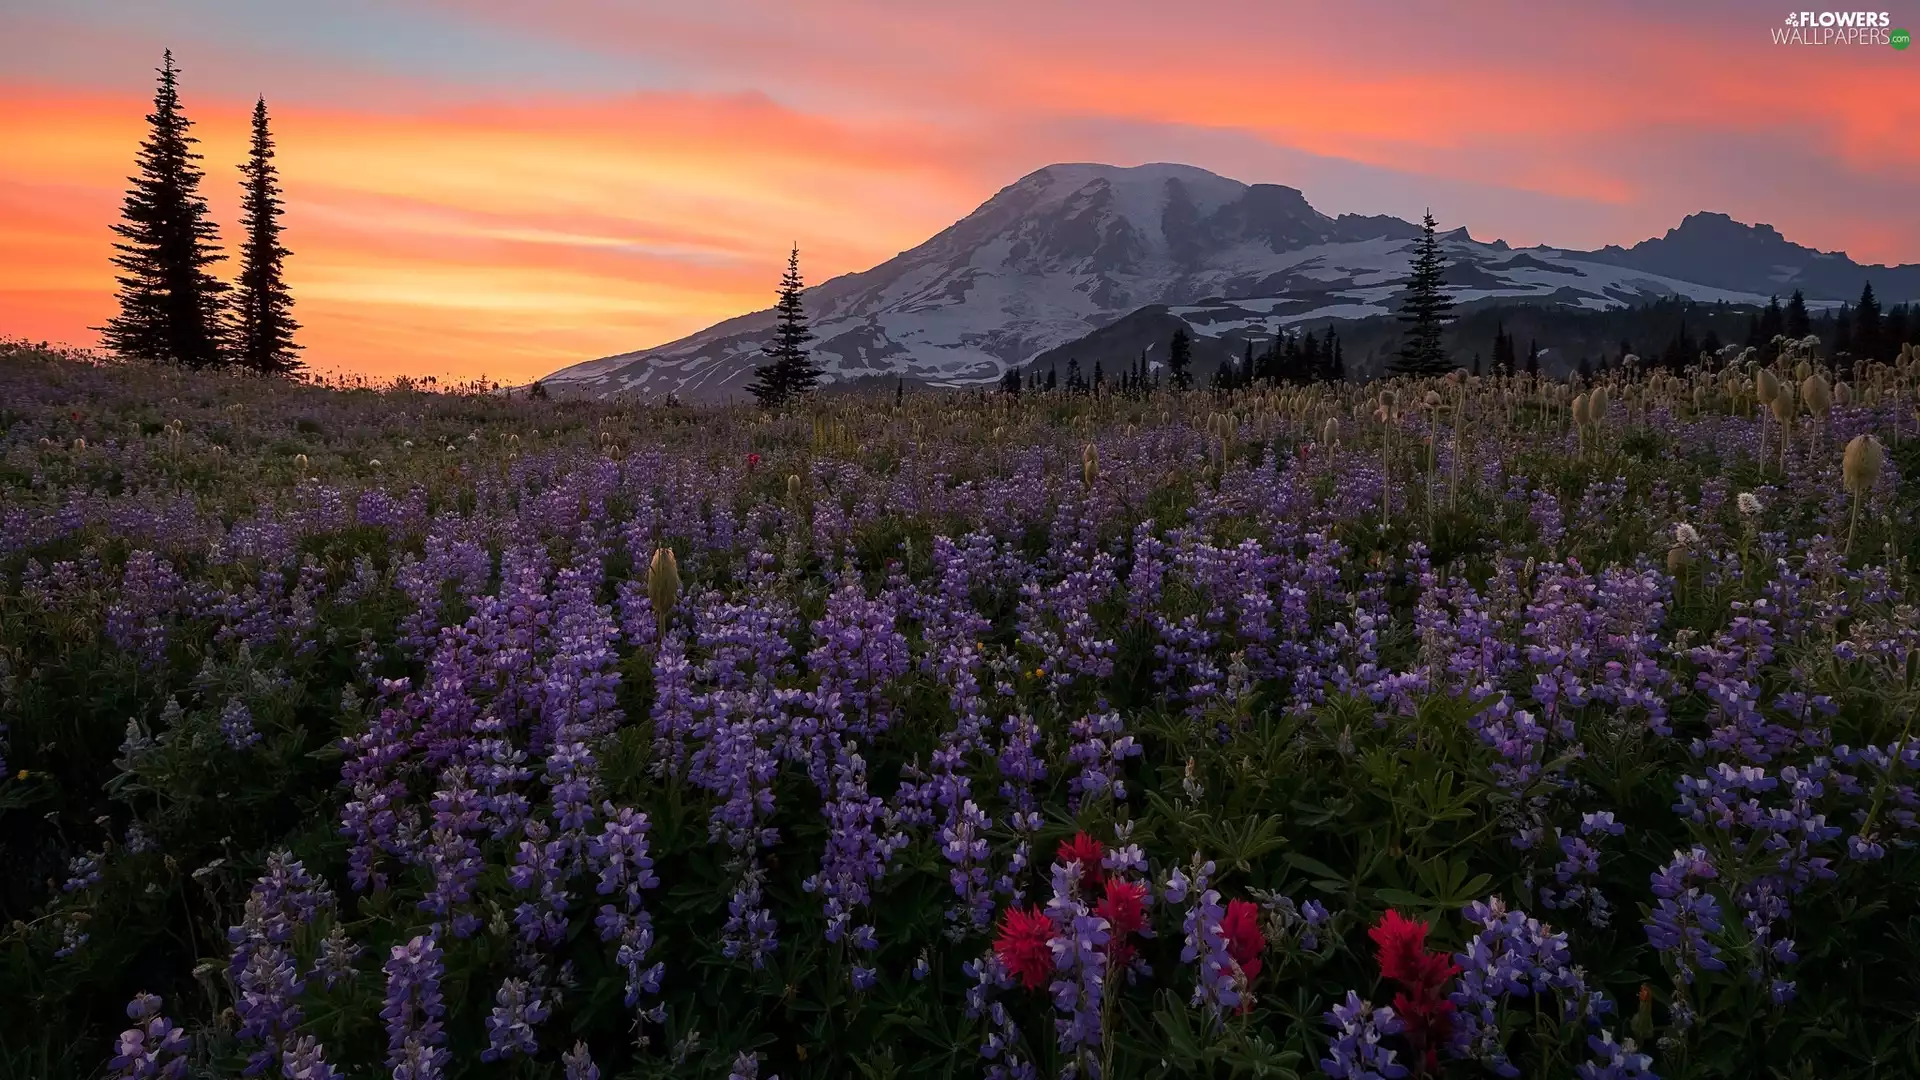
1074, 248
1713, 226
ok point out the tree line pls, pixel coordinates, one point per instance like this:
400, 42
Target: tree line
173, 309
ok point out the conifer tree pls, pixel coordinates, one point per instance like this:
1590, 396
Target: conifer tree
1180, 359
1773, 320
1010, 382
1798, 324
1866, 325
1425, 310
263, 309
1338, 371
169, 302
1893, 329
790, 373
1533, 359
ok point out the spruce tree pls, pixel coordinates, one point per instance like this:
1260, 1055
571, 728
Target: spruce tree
1866, 325
1798, 325
790, 373
1893, 330
1425, 309
263, 310
1773, 321
1533, 359
1180, 359
169, 303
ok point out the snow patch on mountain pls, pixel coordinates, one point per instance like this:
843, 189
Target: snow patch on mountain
1071, 248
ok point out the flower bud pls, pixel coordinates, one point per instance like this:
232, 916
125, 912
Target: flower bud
1842, 395
1860, 465
1330, 431
663, 584
1580, 415
300, 462
1678, 558
1597, 403
793, 486
79, 444
1090, 464
1783, 403
1765, 386
1817, 394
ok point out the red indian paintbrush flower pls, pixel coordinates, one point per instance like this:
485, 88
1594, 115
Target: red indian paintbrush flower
1241, 927
1087, 852
1022, 946
1423, 977
1125, 909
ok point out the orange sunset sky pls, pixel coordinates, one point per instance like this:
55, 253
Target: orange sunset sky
498, 188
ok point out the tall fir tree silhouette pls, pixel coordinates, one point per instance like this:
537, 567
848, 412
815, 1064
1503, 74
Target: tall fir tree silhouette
263, 307
169, 303
1425, 310
1798, 323
790, 372
1180, 359
1866, 325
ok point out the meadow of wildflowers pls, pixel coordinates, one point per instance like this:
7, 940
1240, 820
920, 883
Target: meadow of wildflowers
1469, 727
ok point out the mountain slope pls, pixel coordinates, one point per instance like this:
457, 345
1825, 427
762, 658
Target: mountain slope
1070, 249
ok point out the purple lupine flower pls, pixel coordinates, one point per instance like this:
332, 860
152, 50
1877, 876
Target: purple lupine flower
619, 855
746, 1066
963, 842
578, 1063
749, 931
266, 993
1217, 986
1100, 747
1685, 913
236, 724
1512, 955
154, 1047
1079, 946
1001, 1047
306, 1060
510, 1025
83, 872
413, 1010
1615, 1060
266, 980
337, 954
1354, 1052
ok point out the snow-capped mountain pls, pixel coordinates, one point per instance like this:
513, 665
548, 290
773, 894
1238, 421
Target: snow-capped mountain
1070, 249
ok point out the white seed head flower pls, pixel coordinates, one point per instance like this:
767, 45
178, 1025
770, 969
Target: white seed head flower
1686, 534
1749, 503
